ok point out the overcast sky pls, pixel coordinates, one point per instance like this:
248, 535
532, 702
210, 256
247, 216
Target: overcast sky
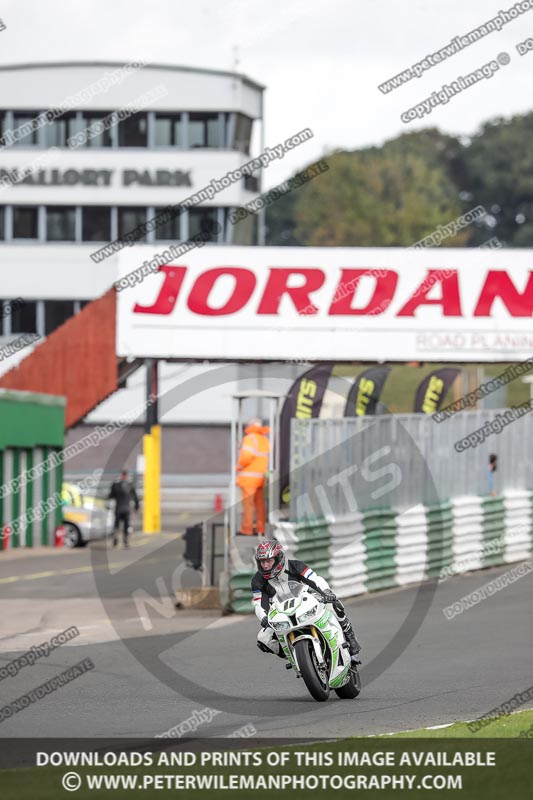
321, 60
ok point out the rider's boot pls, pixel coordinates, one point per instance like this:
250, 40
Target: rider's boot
353, 645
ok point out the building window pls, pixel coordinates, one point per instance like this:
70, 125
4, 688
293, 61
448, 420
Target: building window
96, 224
204, 130
168, 130
58, 131
25, 222
20, 119
251, 183
24, 319
56, 312
167, 231
203, 220
243, 134
129, 219
132, 132
94, 138
60, 224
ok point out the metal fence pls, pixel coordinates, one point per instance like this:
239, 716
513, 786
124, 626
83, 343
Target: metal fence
339, 466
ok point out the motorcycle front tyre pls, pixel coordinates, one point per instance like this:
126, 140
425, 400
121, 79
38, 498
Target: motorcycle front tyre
308, 668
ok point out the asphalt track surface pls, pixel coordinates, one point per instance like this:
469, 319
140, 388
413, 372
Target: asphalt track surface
449, 670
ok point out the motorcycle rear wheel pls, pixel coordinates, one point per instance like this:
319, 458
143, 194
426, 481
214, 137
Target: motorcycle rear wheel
351, 689
308, 665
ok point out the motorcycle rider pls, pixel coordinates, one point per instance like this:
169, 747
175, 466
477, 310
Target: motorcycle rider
274, 572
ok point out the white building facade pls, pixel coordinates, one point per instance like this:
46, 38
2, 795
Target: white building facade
87, 175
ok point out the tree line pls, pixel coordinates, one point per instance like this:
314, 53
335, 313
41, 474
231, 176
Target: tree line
396, 194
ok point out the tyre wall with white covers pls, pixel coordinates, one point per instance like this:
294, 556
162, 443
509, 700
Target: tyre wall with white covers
381, 549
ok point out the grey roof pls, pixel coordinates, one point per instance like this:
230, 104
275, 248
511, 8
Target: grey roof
115, 64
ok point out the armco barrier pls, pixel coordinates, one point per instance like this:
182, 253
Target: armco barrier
381, 549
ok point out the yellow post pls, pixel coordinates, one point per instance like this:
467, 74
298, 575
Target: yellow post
148, 501
156, 510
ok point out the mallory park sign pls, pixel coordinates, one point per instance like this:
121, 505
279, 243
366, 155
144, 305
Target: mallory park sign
95, 177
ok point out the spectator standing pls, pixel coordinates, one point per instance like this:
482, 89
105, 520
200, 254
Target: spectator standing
123, 493
493, 466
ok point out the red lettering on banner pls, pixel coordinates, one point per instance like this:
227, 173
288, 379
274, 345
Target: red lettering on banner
168, 294
384, 289
276, 287
242, 291
499, 284
449, 299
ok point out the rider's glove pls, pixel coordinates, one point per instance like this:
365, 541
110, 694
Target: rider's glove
264, 621
329, 597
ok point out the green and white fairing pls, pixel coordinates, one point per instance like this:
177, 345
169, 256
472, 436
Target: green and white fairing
299, 614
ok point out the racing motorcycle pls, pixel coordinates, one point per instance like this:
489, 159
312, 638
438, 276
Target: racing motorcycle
313, 642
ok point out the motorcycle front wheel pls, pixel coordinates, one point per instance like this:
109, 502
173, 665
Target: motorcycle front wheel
308, 664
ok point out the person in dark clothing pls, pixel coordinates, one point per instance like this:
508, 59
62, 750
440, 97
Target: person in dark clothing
123, 493
493, 466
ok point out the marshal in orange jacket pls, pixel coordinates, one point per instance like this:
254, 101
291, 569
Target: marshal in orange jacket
253, 457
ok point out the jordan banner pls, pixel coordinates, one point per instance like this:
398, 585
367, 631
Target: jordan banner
366, 391
433, 388
303, 401
324, 304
